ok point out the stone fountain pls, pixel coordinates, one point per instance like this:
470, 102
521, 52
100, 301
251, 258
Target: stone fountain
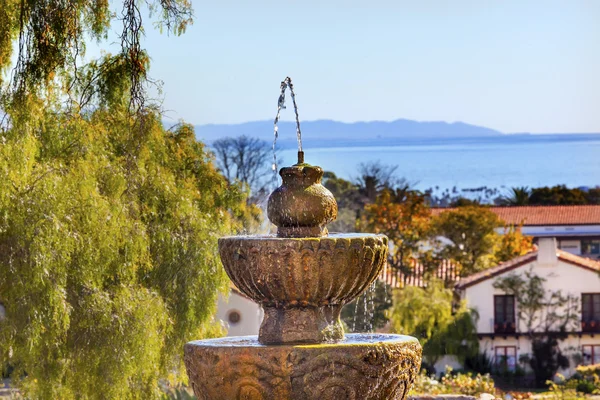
302, 277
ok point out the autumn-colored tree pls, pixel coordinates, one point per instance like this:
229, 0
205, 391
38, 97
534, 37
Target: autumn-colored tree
405, 218
474, 238
470, 234
512, 243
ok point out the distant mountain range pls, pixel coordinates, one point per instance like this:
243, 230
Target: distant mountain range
323, 131
328, 133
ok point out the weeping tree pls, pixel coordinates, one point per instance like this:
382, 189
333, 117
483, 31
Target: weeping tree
442, 326
108, 221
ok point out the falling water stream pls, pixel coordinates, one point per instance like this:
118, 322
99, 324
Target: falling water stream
286, 83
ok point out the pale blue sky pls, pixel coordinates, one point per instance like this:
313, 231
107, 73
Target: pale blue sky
511, 65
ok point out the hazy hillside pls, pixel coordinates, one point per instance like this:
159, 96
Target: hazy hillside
326, 132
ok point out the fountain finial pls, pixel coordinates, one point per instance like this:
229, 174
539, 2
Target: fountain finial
301, 206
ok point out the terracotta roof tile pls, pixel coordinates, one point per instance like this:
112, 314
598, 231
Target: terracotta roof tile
579, 261
497, 270
544, 215
446, 271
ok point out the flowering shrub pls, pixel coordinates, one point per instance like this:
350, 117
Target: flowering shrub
460, 383
585, 381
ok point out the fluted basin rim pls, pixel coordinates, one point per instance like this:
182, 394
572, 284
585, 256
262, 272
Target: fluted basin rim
350, 340
273, 237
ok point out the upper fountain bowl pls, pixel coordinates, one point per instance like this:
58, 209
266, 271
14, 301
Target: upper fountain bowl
302, 283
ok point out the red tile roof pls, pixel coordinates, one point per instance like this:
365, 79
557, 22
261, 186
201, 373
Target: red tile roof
446, 271
544, 215
517, 262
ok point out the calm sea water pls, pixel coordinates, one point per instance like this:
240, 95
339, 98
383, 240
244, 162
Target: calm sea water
573, 160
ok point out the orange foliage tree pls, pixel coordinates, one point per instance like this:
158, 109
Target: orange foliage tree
405, 218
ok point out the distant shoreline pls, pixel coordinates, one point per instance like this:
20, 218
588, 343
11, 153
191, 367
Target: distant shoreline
515, 139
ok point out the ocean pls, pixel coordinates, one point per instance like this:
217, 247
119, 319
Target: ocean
496, 162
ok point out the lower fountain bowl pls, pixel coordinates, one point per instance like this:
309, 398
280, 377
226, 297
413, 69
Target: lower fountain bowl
362, 366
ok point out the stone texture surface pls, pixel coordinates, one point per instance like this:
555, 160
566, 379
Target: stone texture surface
301, 206
364, 367
442, 397
302, 283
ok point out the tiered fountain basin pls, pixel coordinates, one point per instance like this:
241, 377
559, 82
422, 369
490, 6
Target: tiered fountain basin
360, 367
302, 277
302, 283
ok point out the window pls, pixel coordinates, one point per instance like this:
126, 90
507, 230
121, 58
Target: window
505, 358
591, 354
504, 314
589, 247
590, 312
234, 317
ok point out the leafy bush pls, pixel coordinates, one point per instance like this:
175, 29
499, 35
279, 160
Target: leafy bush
479, 363
453, 383
585, 382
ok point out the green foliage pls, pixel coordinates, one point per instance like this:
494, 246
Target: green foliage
585, 381
178, 393
519, 196
345, 192
50, 38
453, 383
557, 195
108, 261
479, 362
428, 314
571, 389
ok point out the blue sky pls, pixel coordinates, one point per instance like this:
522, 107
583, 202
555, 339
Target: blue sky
515, 66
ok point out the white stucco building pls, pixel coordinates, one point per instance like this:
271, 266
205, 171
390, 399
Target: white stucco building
500, 333
240, 315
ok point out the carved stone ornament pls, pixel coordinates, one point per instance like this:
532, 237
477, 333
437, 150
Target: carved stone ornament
367, 367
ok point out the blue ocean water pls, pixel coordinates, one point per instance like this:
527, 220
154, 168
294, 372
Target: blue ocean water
498, 162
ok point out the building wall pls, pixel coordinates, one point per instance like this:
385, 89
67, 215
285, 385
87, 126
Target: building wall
571, 246
564, 230
250, 313
560, 276
571, 347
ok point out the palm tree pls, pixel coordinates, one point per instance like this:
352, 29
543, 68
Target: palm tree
518, 196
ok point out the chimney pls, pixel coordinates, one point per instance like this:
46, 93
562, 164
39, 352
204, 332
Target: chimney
547, 251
